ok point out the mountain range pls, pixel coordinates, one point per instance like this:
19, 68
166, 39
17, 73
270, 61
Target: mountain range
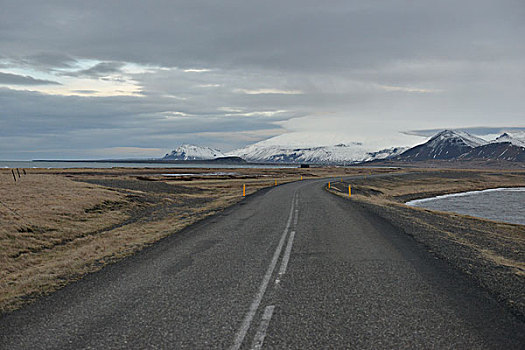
338, 154
455, 145
446, 145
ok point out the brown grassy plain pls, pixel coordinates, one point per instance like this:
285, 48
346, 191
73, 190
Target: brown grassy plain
57, 225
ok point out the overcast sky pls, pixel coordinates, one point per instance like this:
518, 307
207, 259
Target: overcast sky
96, 79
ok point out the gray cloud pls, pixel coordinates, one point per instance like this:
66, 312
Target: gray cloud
113, 122
86, 92
479, 130
99, 70
46, 61
292, 35
366, 70
15, 79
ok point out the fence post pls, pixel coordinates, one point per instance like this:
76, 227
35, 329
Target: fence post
13, 172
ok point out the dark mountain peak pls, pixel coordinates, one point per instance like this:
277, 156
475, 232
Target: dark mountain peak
507, 138
498, 150
458, 145
457, 137
446, 145
446, 132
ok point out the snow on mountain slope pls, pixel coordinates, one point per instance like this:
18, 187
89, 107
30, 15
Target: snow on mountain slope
386, 153
192, 152
513, 139
341, 153
446, 144
496, 151
456, 136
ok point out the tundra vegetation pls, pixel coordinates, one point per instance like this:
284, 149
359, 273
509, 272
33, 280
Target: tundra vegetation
59, 224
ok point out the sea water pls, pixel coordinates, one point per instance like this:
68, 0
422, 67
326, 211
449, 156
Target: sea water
107, 165
500, 204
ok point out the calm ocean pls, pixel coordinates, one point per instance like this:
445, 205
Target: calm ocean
500, 204
100, 165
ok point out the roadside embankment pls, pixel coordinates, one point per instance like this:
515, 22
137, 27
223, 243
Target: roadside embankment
492, 253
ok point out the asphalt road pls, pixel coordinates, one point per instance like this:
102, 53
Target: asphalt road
291, 267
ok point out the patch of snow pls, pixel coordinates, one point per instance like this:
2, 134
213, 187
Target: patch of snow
341, 153
192, 152
513, 139
456, 136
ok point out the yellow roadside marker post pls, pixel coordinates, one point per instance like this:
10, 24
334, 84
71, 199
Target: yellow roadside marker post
275, 183
349, 190
301, 177
328, 184
244, 190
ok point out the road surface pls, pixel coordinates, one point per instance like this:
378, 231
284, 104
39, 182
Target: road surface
291, 267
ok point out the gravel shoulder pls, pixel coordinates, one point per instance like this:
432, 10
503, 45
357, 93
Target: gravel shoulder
492, 253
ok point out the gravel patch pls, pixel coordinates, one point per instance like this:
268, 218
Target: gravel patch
461, 242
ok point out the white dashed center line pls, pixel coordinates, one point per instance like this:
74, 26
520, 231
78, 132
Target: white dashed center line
258, 340
245, 326
286, 257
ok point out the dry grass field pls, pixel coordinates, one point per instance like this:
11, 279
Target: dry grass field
422, 183
57, 225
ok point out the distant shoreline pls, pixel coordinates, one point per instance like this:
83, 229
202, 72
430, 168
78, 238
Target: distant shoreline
142, 163
226, 160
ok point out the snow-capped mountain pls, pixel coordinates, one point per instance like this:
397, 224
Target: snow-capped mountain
454, 145
446, 144
457, 136
386, 153
506, 137
496, 151
192, 152
338, 154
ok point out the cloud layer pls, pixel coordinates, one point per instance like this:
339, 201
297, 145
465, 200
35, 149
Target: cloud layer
79, 79
15, 79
